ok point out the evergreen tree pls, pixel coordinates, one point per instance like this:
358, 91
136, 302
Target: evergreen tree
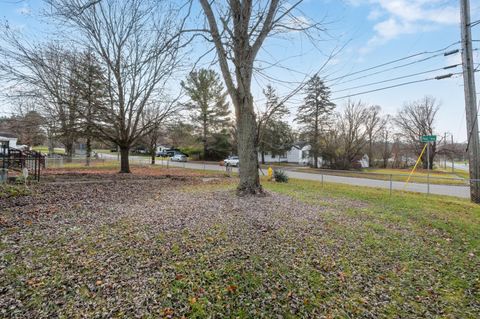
274, 134
314, 114
209, 109
93, 95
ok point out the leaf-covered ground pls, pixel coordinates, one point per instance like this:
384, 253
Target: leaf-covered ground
175, 244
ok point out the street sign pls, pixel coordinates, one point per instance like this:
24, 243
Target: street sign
428, 138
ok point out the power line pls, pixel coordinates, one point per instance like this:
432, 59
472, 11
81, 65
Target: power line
402, 59
398, 78
398, 85
398, 67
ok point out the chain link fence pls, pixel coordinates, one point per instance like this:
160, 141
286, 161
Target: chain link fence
433, 183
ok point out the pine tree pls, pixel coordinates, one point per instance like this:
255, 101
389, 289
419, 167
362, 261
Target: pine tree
313, 115
93, 95
209, 108
274, 134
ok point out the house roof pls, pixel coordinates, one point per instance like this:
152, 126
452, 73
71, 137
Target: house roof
299, 144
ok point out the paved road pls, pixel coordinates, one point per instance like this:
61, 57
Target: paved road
448, 190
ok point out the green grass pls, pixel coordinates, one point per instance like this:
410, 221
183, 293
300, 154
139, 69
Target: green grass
398, 175
44, 149
432, 244
8, 190
335, 251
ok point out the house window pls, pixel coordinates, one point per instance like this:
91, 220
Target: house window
273, 156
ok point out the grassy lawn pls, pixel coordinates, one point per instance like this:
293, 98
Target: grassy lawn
437, 176
177, 243
44, 149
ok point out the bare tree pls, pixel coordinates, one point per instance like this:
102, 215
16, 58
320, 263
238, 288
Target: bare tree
373, 125
138, 43
46, 74
238, 31
352, 133
156, 117
385, 143
415, 119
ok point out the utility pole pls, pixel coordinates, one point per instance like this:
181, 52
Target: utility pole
470, 101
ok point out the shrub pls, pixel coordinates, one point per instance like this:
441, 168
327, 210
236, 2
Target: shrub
280, 176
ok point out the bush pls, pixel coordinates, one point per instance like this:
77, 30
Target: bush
280, 176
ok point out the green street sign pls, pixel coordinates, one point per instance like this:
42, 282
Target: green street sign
428, 138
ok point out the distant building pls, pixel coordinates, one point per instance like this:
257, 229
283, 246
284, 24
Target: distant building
299, 153
7, 140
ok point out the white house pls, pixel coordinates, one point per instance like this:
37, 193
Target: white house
7, 140
161, 148
299, 153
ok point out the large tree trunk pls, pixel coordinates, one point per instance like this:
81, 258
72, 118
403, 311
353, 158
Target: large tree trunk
124, 164
247, 149
88, 151
152, 153
69, 151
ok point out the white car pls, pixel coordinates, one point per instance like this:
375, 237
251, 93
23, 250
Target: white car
232, 161
179, 158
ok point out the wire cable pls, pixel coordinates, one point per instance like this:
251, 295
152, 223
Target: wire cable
398, 78
397, 85
398, 60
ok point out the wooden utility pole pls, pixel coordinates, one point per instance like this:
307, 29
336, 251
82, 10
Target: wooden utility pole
470, 101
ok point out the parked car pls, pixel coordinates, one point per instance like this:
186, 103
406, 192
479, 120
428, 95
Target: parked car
179, 158
170, 153
232, 161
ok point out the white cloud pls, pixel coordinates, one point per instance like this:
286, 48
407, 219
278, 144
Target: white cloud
407, 17
374, 14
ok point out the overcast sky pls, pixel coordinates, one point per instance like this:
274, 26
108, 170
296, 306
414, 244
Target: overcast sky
371, 32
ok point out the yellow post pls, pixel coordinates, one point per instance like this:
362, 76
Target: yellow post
270, 173
415, 167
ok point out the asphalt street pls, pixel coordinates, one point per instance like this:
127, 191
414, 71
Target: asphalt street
447, 190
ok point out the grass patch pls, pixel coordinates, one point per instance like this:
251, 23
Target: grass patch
8, 190
398, 175
44, 149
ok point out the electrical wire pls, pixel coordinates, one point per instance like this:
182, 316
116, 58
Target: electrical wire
397, 85
398, 78
398, 60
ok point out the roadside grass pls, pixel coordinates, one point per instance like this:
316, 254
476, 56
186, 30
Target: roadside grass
44, 149
436, 177
196, 250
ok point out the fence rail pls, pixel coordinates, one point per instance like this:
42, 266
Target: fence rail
433, 184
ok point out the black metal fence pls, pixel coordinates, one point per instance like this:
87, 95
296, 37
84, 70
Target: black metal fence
16, 161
